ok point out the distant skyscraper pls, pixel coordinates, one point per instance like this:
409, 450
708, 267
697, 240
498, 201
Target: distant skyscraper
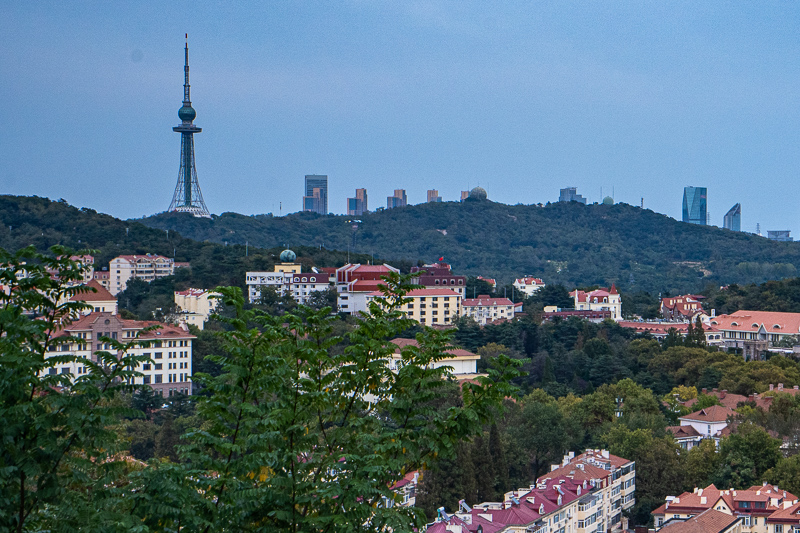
570, 194
433, 196
357, 206
316, 198
464, 195
733, 218
695, 205
398, 200
780, 235
187, 197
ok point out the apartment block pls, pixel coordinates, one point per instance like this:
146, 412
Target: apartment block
439, 275
196, 305
433, 196
170, 349
356, 282
147, 267
529, 285
399, 199
485, 309
357, 206
429, 307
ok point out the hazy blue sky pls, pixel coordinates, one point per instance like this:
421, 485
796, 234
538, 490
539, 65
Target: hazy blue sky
520, 97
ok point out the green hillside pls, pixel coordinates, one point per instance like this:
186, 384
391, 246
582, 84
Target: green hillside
41, 222
573, 244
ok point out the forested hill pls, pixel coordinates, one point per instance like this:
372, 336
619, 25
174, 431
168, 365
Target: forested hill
573, 244
43, 223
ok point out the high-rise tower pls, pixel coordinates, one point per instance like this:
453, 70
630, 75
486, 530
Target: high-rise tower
695, 205
187, 197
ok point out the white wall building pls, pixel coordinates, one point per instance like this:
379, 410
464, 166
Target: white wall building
485, 309
529, 285
170, 349
599, 300
196, 305
145, 267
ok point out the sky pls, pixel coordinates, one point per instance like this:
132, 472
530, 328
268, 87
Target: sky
634, 99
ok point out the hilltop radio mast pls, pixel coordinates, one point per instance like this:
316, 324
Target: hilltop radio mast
187, 197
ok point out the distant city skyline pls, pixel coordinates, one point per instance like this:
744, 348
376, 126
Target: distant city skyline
522, 99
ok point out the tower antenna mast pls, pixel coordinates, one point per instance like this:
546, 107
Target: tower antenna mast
187, 197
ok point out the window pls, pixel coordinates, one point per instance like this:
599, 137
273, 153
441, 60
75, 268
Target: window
158, 366
65, 370
158, 378
778, 528
146, 367
158, 355
146, 380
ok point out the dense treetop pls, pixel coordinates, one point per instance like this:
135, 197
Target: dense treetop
567, 243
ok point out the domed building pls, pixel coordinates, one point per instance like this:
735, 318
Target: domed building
608, 200
288, 256
478, 193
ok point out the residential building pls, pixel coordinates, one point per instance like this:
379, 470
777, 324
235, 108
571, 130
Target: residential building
196, 305
601, 299
406, 488
100, 299
399, 199
316, 197
358, 206
144, 267
438, 275
433, 196
486, 310
584, 494
464, 364
686, 307
709, 521
733, 218
86, 262
695, 205
529, 285
491, 281
780, 235
570, 194
170, 348
355, 283
753, 332
660, 330
708, 423
551, 312
287, 278
103, 277
429, 307
755, 507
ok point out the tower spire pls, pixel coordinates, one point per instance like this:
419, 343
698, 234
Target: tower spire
187, 197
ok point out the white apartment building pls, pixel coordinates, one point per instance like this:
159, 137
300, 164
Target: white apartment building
529, 285
170, 348
584, 494
485, 309
145, 267
300, 285
196, 305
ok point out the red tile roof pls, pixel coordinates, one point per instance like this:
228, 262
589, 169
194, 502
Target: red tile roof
715, 413
100, 294
456, 352
709, 521
485, 301
773, 322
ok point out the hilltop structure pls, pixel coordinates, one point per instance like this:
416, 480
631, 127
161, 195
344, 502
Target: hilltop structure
357, 206
399, 199
695, 205
187, 197
733, 218
316, 198
570, 194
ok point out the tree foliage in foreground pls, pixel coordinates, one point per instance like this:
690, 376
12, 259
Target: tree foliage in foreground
292, 435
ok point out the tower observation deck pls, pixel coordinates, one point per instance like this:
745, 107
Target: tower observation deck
187, 197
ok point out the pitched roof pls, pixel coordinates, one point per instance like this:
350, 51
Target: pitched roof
100, 294
485, 301
789, 514
715, 413
683, 431
456, 352
709, 521
773, 322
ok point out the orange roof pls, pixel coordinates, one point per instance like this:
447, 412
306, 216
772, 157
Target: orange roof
100, 294
457, 352
709, 521
789, 514
715, 413
773, 322
485, 300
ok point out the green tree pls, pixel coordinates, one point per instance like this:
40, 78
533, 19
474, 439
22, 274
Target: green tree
746, 456
702, 461
786, 474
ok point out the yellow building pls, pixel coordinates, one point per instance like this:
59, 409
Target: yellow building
430, 307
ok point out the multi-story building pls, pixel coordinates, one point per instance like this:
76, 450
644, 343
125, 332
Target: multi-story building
570, 194
103, 277
709, 521
287, 278
100, 300
196, 305
485, 309
399, 199
433, 196
754, 331
491, 281
358, 206
464, 364
144, 267
584, 494
695, 202
170, 349
529, 285
685, 307
316, 197
438, 275
733, 218
760, 508
601, 299
355, 283
429, 307
782, 235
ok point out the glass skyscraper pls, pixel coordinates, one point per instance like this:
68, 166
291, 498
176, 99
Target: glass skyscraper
316, 198
695, 209
733, 218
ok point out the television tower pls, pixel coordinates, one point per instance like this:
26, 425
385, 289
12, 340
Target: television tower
187, 197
